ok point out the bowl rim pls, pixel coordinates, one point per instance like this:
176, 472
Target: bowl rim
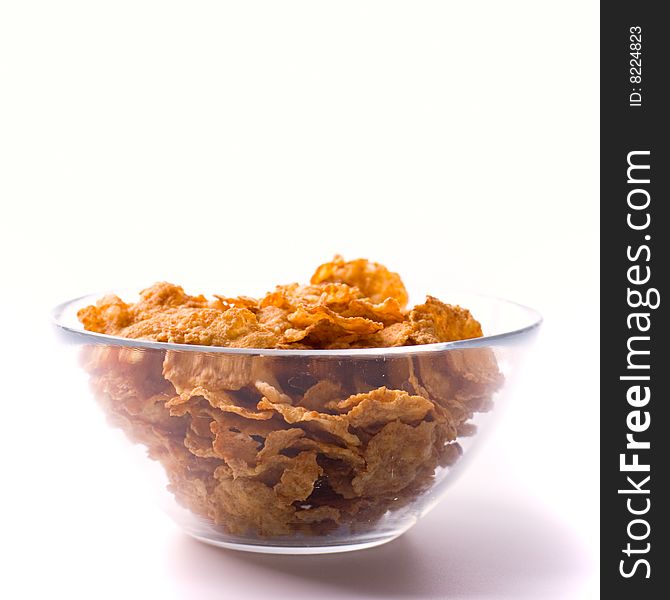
78, 335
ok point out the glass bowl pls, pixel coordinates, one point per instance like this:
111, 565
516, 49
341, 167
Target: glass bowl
305, 451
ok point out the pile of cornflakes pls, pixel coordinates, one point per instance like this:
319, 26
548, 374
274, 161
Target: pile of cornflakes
277, 445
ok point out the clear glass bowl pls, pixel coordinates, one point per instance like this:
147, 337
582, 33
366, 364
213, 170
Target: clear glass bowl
267, 451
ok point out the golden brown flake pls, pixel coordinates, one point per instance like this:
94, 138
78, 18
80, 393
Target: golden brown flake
374, 280
436, 321
393, 458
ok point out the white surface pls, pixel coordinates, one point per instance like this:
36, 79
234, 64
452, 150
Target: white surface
246, 142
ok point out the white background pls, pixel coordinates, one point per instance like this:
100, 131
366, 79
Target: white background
237, 145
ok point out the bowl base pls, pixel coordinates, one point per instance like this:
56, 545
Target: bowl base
300, 550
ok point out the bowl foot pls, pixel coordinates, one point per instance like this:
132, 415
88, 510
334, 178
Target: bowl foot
324, 548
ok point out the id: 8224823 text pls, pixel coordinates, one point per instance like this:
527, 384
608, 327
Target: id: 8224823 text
635, 62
